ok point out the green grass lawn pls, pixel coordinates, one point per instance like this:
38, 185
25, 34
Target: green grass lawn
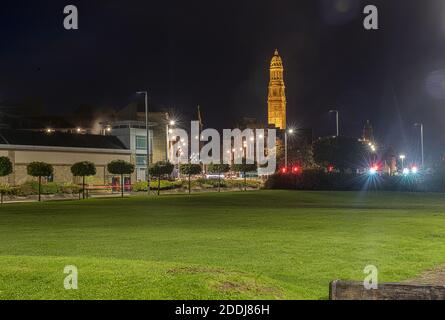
246, 245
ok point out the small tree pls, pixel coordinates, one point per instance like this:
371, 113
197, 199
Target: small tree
159, 169
5, 170
40, 169
218, 169
83, 169
120, 167
244, 168
190, 169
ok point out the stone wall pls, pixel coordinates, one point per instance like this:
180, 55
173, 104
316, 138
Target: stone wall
62, 162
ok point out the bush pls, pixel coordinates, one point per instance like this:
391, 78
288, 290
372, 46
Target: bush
6, 189
26, 189
68, 188
141, 186
227, 183
319, 180
210, 183
249, 183
32, 188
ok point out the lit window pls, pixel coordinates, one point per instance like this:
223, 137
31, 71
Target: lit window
141, 143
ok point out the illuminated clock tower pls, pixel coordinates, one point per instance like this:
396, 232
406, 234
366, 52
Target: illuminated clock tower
277, 98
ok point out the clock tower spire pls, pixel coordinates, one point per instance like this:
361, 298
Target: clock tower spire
276, 101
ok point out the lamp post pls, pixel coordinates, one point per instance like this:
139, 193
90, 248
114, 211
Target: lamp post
336, 120
421, 141
402, 158
290, 131
147, 175
171, 124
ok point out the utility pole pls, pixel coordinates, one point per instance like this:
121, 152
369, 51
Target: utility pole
290, 131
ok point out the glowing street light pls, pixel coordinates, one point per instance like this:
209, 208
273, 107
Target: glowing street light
290, 131
402, 157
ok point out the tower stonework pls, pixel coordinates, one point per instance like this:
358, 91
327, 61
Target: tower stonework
276, 101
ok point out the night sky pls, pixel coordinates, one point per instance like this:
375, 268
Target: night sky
217, 53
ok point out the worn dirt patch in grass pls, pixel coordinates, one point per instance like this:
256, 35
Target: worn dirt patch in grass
434, 276
196, 270
252, 287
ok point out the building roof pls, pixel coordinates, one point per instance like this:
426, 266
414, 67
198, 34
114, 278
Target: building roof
59, 139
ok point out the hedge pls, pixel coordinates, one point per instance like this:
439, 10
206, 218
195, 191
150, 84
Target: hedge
319, 180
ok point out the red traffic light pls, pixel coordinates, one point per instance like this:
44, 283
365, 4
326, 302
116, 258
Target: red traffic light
295, 169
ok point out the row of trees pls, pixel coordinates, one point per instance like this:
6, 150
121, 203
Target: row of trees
80, 169
120, 167
162, 168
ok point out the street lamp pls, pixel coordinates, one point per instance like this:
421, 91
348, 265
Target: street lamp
421, 140
290, 131
336, 120
168, 131
402, 157
147, 175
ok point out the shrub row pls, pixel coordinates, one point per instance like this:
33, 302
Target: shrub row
165, 185
227, 183
198, 183
32, 188
322, 181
